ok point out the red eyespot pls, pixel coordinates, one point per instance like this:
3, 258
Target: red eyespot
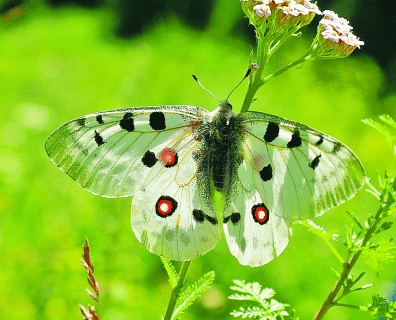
168, 157
260, 213
165, 206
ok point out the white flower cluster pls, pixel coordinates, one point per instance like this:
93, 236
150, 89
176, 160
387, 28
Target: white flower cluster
337, 29
288, 7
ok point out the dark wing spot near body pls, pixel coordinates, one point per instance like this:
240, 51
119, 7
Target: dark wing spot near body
234, 218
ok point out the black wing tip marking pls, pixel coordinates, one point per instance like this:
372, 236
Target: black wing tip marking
315, 162
99, 119
98, 139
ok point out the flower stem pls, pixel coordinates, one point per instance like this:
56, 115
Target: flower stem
256, 80
176, 290
285, 68
329, 302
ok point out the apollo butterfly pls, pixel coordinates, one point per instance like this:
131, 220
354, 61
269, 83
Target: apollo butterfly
171, 159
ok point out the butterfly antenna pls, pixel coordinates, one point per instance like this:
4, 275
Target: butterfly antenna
244, 77
202, 86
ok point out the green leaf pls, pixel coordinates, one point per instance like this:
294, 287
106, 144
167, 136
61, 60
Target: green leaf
269, 309
381, 308
355, 218
191, 293
171, 271
327, 236
378, 256
383, 130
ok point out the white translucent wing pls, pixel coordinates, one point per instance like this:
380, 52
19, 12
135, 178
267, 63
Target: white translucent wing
299, 172
170, 216
108, 153
254, 235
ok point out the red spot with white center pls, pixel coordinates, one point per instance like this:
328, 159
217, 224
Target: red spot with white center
260, 213
168, 157
165, 206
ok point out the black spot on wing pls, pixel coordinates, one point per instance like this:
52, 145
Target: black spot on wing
99, 119
157, 120
266, 173
271, 132
98, 139
336, 147
127, 123
200, 217
212, 220
149, 159
315, 162
81, 121
295, 140
320, 141
234, 218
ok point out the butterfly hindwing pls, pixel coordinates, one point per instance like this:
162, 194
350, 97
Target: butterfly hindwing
299, 172
254, 234
170, 215
108, 153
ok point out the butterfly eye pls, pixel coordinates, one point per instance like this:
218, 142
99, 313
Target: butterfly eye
260, 213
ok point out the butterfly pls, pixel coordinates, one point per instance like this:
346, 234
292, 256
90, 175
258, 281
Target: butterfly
174, 159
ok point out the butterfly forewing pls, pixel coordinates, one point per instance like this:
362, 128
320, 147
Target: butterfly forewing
104, 152
298, 171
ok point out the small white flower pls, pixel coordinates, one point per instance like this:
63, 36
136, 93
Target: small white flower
262, 10
336, 28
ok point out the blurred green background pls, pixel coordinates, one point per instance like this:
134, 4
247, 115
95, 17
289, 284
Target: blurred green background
62, 60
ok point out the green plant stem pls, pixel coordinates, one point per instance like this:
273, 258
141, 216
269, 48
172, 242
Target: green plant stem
285, 68
329, 302
256, 78
176, 290
345, 305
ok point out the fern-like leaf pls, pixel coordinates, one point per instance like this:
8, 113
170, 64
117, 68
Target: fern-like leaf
191, 293
171, 271
269, 308
381, 308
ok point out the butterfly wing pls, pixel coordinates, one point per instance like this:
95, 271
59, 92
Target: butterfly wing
109, 153
254, 235
299, 172
171, 216
148, 153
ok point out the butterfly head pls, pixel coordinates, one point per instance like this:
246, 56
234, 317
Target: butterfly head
225, 106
